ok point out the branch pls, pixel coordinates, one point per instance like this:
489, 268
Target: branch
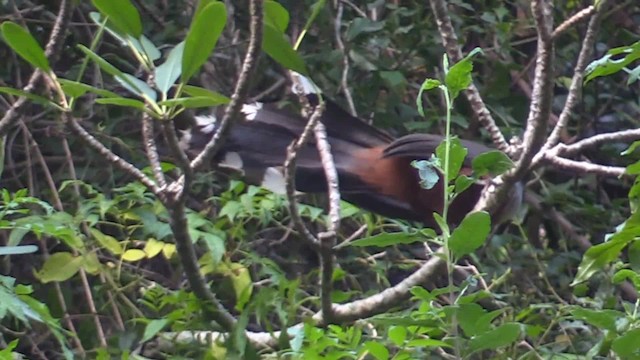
151, 149
580, 146
108, 155
450, 42
583, 166
52, 50
240, 93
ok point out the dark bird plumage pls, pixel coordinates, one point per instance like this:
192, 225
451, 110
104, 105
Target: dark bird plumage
374, 169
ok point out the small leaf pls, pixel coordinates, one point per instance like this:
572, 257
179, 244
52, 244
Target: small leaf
377, 350
107, 242
203, 35
398, 334
167, 73
457, 154
492, 162
279, 49
60, 266
149, 48
133, 255
458, 77
136, 86
153, 328
242, 284
388, 239
215, 244
471, 234
153, 247
427, 84
124, 16
77, 89
427, 172
21, 41
168, 250
602, 318
197, 91
276, 15
503, 335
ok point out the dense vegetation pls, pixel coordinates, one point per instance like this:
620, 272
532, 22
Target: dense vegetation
113, 244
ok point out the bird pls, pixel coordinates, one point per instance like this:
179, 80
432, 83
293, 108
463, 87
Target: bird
374, 169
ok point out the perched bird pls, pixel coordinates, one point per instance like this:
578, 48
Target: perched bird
374, 169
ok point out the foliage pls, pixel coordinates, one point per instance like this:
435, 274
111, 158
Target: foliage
106, 245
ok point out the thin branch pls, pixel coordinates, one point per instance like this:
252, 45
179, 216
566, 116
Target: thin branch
345, 60
575, 89
572, 21
450, 42
240, 94
169, 132
583, 167
593, 141
150, 148
52, 50
108, 155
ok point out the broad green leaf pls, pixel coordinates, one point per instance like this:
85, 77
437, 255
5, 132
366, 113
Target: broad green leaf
136, 86
142, 46
122, 14
195, 102
197, 91
153, 247
107, 242
503, 335
60, 266
388, 239
627, 345
361, 25
427, 84
17, 250
279, 49
602, 319
215, 244
149, 48
242, 284
462, 183
153, 328
132, 255
169, 250
21, 41
34, 98
276, 15
397, 334
377, 350
627, 274
492, 162
468, 316
203, 35
120, 101
167, 73
470, 234
428, 343
458, 77
457, 154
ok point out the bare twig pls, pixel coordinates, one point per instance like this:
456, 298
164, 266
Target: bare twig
151, 149
572, 21
345, 60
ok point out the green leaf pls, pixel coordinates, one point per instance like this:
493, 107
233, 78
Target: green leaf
149, 48
362, 25
132, 255
471, 234
388, 239
627, 345
278, 48
21, 41
167, 73
60, 266
469, 316
195, 102
122, 14
77, 89
107, 242
492, 162
196, 91
242, 284
377, 350
503, 335
136, 86
602, 319
427, 84
457, 154
614, 61
153, 328
203, 35
112, 70
627, 274
215, 244
17, 250
458, 77
34, 98
120, 101
153, 247
398, 334
276, 15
